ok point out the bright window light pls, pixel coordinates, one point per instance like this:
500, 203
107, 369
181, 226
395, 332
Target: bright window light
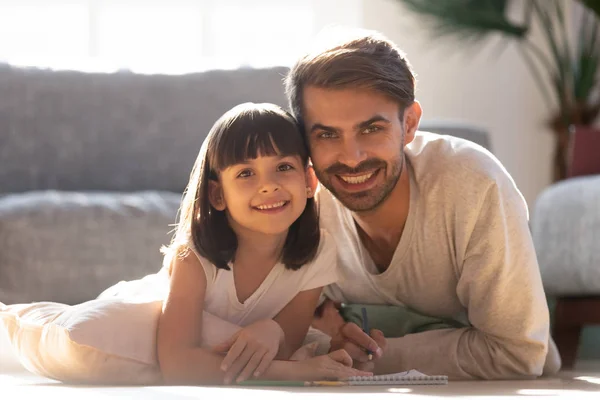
36, 29
154, 36
238, 36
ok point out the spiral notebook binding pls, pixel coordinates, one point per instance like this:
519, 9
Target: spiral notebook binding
409, 377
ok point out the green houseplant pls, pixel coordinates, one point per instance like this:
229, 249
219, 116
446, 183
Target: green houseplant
565, 73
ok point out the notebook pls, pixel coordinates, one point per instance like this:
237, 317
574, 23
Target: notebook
412, 377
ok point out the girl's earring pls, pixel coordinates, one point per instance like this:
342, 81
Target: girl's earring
308, 192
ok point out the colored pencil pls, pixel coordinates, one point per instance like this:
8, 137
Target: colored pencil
365, 328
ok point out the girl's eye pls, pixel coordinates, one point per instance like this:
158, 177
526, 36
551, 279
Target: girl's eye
245, 173
285, 167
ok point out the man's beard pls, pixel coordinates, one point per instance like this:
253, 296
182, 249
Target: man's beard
370, 199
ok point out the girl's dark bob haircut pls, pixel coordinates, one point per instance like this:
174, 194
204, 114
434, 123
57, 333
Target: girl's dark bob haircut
245, 132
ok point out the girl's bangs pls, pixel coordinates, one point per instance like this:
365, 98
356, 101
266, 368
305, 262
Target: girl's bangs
251, 136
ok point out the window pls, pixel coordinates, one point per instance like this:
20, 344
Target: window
43, 29
155, 36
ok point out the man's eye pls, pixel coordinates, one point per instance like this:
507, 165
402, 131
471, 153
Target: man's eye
285, 167
326, 135
245, 173
372, 129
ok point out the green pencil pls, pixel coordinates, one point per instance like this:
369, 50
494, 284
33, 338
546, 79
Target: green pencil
272, 383
365, 328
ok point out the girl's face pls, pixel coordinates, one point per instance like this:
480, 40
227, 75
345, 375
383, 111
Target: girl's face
262, 195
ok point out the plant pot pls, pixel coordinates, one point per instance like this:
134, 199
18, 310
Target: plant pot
584, 151
561, 152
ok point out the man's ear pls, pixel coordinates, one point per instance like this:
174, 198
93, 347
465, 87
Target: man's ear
311, 181
412, 117
215, 195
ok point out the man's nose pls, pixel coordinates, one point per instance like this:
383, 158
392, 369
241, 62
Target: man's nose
352, 153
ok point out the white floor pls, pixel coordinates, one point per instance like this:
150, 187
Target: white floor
581, 383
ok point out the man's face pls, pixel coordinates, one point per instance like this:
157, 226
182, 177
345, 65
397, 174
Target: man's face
356, 140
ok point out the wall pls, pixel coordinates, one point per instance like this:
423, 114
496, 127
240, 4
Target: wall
491, 90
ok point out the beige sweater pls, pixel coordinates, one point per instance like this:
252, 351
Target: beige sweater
465, 253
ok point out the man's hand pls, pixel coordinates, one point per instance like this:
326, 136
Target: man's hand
349, 337
251, 350
355, 342
328, 319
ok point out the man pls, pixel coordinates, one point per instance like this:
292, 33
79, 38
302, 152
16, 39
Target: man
428, 222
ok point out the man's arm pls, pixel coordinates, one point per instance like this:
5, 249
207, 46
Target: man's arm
501, 288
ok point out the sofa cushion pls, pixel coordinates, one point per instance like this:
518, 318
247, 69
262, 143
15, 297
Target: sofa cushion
68, 247
566, 232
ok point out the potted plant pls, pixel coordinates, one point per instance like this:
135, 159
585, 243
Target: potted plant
566, 73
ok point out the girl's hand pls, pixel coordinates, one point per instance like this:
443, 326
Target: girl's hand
336, 365
251, 350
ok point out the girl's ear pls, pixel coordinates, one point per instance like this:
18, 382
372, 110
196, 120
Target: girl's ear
311, 181
215, 195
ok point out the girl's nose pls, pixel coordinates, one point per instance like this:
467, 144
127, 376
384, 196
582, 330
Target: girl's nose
269, 187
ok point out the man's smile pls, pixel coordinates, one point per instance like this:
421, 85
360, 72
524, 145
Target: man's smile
356, 178
358, 182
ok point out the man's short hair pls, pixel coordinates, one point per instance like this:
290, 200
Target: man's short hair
352, 59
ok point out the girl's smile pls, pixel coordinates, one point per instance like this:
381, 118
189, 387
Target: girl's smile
272, 207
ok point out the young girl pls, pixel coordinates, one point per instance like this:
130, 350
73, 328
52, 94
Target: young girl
248, 249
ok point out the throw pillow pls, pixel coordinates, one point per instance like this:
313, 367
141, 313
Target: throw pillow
102, 341
97, 342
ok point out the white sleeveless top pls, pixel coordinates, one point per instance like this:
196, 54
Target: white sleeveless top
279, 287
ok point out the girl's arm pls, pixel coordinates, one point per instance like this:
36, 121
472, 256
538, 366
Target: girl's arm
247, 351
295, 319
182, 359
